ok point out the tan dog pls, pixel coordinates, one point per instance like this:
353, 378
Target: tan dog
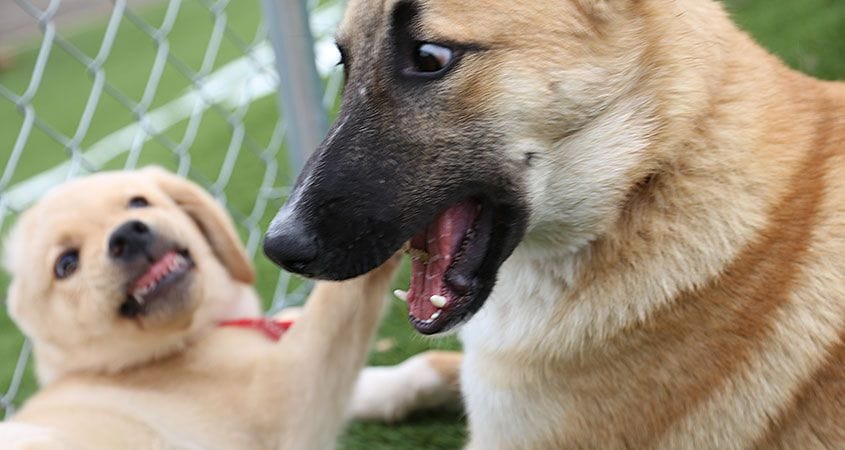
636, 214
120, 279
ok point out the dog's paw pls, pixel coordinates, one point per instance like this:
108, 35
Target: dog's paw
392, 393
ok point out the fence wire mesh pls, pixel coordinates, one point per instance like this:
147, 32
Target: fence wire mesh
91, 85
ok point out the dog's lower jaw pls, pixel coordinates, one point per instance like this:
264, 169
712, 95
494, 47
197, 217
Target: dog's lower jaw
529, 284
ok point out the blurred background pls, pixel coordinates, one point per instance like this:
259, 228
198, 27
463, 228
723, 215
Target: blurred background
233, 94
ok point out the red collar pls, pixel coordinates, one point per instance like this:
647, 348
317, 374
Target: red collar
273, 329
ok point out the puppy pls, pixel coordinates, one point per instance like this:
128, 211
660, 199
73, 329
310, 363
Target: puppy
633, 211
120, 281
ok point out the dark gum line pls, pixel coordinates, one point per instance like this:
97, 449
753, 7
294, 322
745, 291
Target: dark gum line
468, 237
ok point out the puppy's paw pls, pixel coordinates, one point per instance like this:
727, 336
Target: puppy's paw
391, 394
292, 313
384, 273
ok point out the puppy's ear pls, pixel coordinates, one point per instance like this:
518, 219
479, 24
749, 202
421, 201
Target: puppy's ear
13, 248
214, 222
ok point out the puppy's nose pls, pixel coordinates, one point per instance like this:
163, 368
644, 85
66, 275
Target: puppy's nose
130, 240
289, 244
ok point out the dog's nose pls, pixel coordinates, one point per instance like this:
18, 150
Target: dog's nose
289, 244
129, 240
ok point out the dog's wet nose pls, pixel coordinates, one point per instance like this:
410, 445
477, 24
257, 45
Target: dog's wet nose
289, 244
129, 240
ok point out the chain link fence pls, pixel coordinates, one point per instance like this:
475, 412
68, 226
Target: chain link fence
91, 85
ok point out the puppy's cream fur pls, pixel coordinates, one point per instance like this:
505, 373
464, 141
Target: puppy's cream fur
171, 378
681, 283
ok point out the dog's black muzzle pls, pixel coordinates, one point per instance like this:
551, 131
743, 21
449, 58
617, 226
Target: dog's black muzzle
345, 222
379, 178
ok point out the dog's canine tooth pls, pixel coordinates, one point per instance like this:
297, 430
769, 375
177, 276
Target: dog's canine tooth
438, 301
138, 298
401, 295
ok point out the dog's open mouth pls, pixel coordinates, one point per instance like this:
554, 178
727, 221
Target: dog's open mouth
161, 274
446, 258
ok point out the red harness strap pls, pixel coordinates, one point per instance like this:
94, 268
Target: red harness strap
273, 329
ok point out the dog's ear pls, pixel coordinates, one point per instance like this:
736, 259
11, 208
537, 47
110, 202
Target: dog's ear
211, 218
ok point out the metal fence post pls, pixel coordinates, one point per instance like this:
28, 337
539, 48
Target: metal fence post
300, 90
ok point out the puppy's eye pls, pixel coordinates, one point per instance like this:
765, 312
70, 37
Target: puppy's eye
429, 58
138, 202
67, 264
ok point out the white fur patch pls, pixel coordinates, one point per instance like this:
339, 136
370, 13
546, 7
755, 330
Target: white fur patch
392, 393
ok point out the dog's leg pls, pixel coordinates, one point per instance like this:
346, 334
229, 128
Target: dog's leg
391, 393
323, 353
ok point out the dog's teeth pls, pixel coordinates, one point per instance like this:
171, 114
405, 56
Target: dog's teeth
138, 298
401, 295
435, 315
438, 301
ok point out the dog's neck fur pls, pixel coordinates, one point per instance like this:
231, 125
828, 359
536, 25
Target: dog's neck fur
585, 316
54, 361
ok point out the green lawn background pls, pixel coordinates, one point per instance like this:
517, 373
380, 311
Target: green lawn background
809, 35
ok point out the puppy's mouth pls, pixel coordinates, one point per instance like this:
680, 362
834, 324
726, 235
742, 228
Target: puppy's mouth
448, 284
153, 285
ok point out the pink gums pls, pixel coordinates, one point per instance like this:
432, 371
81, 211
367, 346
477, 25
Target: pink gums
156, 272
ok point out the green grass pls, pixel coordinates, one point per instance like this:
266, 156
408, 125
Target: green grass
809, 35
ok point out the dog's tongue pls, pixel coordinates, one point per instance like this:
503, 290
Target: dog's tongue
441, 240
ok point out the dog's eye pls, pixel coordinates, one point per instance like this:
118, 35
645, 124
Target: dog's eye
67, 264
344, 62
342, 56
138, 202
431, 58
